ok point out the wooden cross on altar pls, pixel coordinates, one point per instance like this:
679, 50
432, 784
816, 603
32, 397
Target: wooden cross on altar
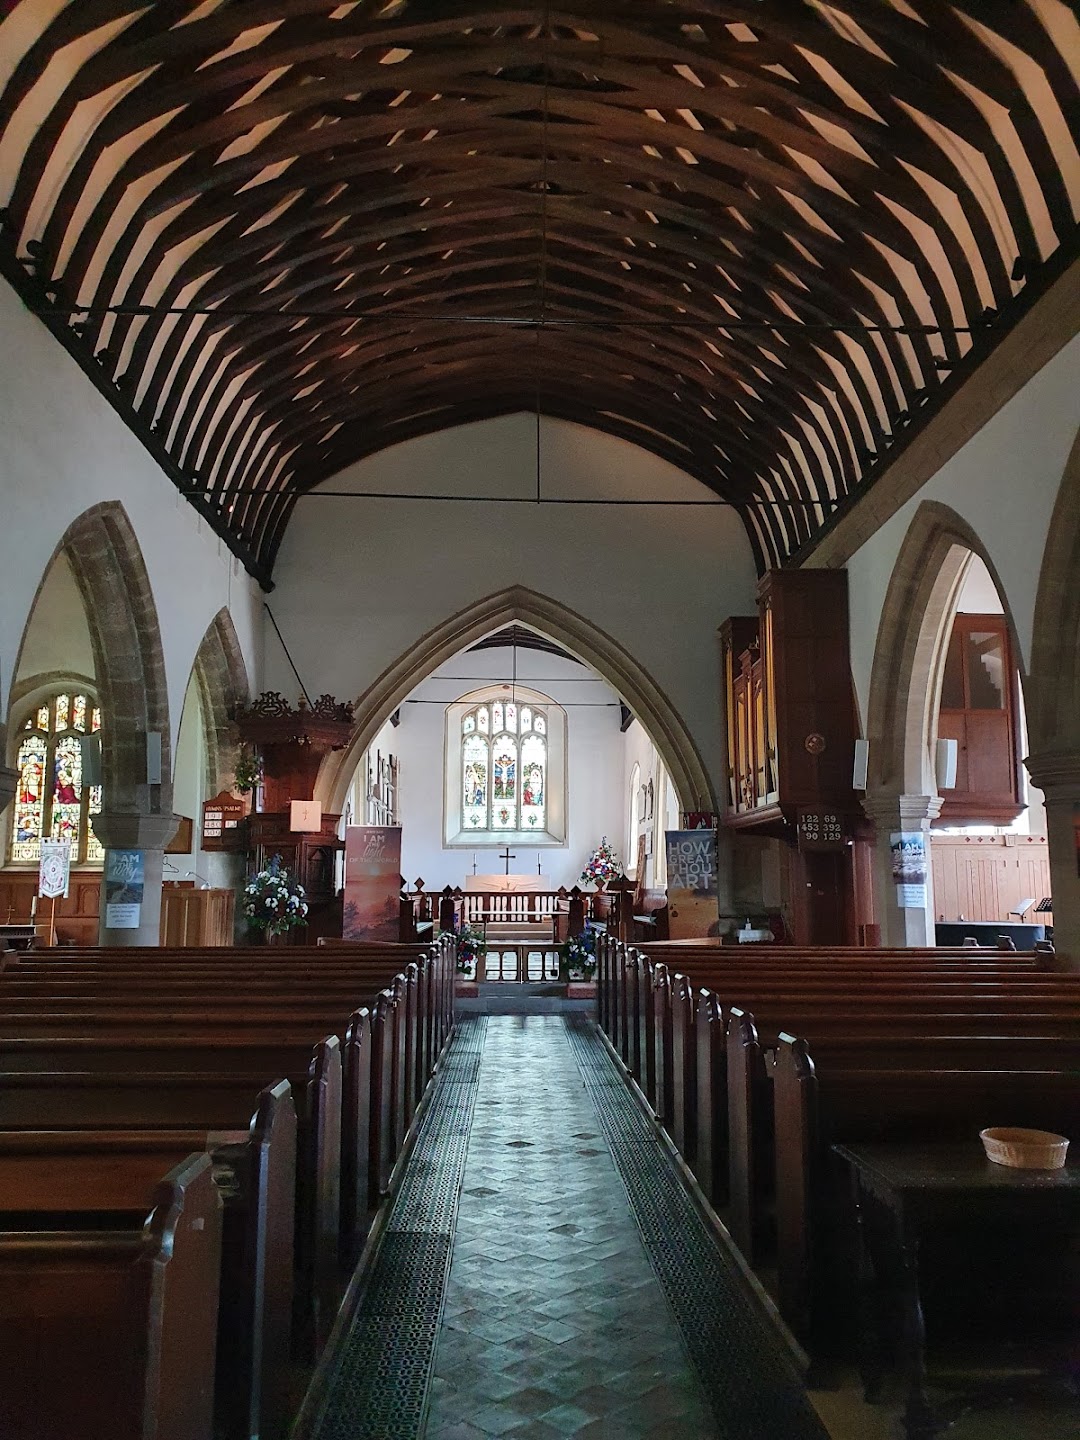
507, 857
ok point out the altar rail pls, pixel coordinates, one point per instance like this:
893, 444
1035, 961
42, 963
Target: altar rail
567, 911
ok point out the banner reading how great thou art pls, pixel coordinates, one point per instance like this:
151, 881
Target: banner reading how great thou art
372, 882
693, 905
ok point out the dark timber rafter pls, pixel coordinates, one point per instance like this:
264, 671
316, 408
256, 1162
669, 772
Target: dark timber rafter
771, 236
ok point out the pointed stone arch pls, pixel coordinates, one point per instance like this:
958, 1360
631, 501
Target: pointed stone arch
1054, 703
1054, 707
107, 562
221, 677
576, 634
909, 654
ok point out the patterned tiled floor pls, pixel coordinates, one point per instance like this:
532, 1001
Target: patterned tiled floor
554, 1322
544, 1273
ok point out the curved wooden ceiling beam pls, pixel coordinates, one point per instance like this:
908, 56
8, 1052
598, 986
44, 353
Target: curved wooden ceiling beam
682, 173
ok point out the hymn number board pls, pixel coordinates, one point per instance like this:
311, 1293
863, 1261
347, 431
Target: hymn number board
220, 818
821, 830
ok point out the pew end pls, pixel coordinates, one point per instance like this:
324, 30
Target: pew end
108, 1330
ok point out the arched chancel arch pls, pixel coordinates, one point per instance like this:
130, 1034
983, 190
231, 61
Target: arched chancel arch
1054, 702
129, 661
906, 678
576, 634
222, 679
1054, 711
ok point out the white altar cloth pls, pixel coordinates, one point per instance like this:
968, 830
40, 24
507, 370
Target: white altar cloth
507, 884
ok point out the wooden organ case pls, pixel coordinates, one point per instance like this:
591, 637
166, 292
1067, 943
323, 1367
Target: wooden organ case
790, 734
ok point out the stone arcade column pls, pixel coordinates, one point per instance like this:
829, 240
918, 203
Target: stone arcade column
891, 813
1057, 774
148, 834
8, 780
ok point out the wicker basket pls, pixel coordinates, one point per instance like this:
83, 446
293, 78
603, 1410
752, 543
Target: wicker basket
1025, 1149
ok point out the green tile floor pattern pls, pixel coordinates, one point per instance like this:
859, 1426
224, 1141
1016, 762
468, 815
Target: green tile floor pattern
554, 1320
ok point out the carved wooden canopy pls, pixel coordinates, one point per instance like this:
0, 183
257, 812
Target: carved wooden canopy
740, 224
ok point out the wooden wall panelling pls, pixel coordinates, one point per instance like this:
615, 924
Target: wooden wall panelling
983, 877
76, 915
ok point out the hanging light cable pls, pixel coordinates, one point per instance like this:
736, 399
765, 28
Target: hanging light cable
543, 259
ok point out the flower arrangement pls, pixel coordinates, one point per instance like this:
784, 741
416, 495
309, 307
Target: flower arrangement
274, 900
601, 866
471, 947
578, 955
248, 772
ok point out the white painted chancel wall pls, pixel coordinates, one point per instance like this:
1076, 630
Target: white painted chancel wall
592, 789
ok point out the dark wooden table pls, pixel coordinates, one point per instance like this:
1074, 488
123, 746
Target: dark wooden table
917, 1187
20, 936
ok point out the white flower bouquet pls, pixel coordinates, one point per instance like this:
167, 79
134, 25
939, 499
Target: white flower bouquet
274, 900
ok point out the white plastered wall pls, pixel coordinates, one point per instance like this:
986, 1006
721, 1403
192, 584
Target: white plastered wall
360, 581
1004, 482
65, 449
57, 639
639, 751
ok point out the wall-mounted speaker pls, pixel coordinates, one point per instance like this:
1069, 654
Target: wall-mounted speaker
862, 758
90, 745
153, 757
945, 764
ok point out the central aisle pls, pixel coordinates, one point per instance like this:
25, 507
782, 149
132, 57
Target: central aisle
554, 1321
544, 1272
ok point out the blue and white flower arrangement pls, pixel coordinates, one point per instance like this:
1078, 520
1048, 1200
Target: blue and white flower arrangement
274, 900
471, 948
578, 955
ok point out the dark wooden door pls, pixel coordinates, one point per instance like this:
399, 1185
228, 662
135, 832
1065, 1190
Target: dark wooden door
828, 896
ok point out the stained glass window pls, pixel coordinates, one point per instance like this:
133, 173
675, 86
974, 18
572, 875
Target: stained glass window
504, 767
51, 799
475, 780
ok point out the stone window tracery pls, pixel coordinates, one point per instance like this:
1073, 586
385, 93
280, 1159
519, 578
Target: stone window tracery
504, 768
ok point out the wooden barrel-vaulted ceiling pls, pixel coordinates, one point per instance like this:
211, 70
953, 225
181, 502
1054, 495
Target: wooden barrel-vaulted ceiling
760, 239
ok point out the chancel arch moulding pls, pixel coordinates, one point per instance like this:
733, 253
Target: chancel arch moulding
1054, 704
558, 622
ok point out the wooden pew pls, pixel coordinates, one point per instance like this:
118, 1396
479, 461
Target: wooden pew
622, 970
891, 1034
650, 1030
108, 1314
170, 1044
102, 1099
817, 1106
1038, 1009
257, 1173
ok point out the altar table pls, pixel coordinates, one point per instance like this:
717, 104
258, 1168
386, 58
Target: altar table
508, 884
